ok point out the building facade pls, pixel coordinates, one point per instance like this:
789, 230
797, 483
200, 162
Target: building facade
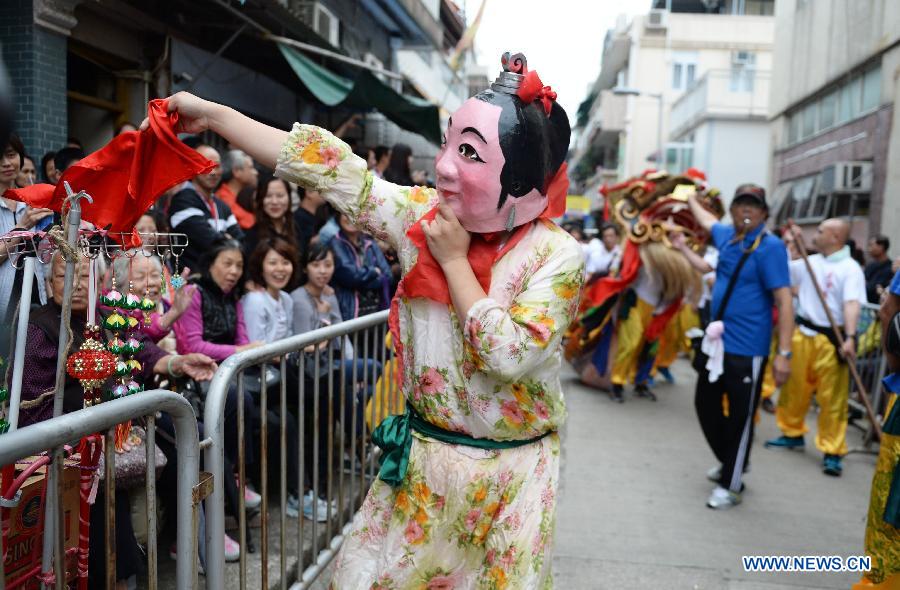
836, 143
688, 80
81, 68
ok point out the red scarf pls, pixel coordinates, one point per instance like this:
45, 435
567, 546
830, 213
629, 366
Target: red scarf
126, 176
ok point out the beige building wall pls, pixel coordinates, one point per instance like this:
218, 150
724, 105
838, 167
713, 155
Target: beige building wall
713, 38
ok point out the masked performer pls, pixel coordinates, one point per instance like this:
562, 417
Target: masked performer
467, 490
617, 336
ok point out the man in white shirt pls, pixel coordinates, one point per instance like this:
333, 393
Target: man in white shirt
602, 255
819, 365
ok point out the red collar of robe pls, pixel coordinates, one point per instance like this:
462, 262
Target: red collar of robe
125, 177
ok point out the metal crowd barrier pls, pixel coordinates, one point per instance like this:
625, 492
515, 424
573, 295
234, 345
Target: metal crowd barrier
304, 548
871, 365
66, 429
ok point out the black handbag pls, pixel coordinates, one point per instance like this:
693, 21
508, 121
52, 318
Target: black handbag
700, 357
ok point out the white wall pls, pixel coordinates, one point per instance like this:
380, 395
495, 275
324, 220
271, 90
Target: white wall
713, 38
732, 153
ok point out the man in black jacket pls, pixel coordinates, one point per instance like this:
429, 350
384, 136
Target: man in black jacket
878, 272
197, 212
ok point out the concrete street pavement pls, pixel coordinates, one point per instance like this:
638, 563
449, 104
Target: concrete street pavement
632, 511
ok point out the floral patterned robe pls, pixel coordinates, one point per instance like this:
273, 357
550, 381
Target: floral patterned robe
463, 517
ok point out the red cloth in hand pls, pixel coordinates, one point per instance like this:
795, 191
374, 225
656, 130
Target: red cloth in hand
125, 177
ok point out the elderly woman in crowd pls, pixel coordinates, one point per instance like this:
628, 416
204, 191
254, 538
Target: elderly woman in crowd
213, 322
145, 273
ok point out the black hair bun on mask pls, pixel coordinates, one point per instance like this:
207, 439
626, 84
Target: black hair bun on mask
534, 145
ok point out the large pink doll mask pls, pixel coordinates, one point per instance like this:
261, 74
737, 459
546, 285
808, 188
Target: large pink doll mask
501, 150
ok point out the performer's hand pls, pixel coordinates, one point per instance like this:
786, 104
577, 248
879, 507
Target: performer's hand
447, 239
848, 350
193, 113
781, 370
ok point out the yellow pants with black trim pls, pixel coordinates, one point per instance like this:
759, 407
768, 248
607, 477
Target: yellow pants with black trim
673, 339
768, 387
630, 341
815, 368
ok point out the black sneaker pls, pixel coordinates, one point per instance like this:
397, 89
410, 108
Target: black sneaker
616, 394
641, 390
831, 465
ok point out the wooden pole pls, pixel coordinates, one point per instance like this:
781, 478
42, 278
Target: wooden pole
863, 394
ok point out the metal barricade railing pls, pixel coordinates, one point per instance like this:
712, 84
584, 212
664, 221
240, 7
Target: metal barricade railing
56, 432
871, 365
317, 387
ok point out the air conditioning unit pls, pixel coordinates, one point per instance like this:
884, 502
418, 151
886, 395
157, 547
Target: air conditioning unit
317, 17
743, 58
656, 19
847, 176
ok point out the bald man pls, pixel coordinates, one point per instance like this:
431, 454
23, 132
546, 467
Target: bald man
197, 212
818, 365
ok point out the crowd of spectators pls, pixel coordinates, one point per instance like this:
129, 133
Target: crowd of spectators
266, 260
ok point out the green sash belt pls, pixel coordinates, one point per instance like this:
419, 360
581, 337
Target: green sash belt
394, 437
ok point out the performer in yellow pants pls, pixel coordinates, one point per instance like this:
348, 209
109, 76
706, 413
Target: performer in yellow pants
768, 386
673, 340
630, 338
815, 368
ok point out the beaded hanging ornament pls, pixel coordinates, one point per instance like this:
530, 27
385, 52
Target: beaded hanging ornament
123, 345
92, 364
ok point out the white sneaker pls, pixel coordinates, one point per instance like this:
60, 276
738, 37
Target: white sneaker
232, 549
321, 510
721, 499
252, 500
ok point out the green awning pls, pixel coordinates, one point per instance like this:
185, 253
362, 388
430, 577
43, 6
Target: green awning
364, 93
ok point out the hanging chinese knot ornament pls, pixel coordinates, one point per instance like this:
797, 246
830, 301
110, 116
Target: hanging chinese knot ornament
92, 364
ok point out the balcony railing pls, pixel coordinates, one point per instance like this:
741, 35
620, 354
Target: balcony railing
721, 94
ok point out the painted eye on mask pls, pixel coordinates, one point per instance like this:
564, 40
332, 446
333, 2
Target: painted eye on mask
467, 151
